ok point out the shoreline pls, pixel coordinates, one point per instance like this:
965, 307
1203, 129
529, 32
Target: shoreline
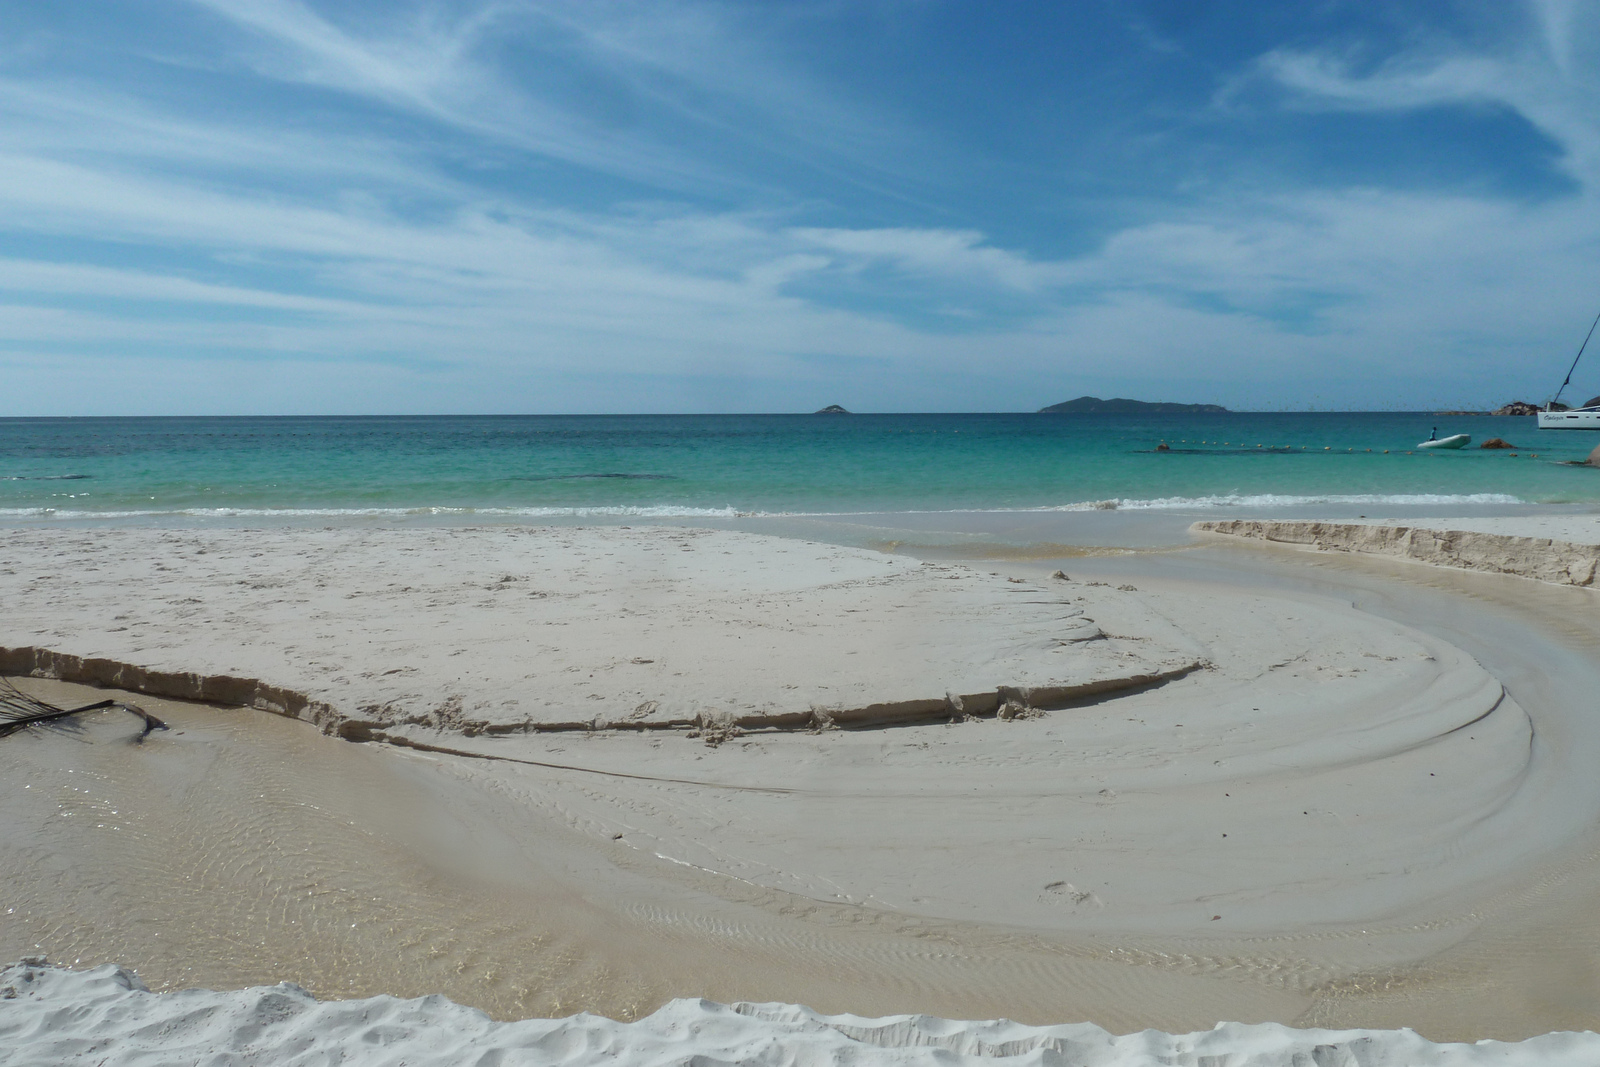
753, 825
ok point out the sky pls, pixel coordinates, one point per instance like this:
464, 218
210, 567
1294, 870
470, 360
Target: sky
318, 207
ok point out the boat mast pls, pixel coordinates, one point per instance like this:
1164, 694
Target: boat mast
1575, 359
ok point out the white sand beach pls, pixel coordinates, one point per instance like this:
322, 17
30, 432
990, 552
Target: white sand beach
126, 1024
618, 766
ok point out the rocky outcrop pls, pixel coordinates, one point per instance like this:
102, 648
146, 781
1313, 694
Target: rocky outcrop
1560, 562
1497, 442
832, 409
1522, 407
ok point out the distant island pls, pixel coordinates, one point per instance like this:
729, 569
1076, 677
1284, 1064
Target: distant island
1093, 405
1522, 407
831, 409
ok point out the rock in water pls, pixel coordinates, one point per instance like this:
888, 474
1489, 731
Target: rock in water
1497, 442
833, 409
1594, 457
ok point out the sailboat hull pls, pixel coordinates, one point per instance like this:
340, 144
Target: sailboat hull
1577, 419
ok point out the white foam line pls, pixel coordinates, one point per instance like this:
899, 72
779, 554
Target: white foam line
624, 512
1174, 503
1276, 500
667, 511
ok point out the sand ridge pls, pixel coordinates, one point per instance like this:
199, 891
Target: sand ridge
1564, 549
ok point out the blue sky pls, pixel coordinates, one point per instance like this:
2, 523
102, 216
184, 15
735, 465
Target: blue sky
297, 206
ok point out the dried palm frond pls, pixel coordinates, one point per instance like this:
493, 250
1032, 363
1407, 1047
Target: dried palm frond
18, 711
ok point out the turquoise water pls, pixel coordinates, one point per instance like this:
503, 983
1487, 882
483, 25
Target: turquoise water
624, 466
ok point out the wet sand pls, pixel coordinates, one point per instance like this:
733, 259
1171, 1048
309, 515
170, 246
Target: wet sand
1396, 754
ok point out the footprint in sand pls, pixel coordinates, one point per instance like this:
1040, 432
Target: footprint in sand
1067, 893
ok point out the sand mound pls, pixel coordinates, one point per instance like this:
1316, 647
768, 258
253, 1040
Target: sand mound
105, 1016
382, 633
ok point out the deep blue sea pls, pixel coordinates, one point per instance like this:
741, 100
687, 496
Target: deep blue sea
622, 466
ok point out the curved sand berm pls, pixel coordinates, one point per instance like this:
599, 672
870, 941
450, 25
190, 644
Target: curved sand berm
106, 1017
385, 634
1564, 550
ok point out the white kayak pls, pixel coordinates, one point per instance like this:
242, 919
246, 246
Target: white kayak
1453, 441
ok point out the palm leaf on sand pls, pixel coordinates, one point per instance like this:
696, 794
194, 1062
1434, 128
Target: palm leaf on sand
18, 711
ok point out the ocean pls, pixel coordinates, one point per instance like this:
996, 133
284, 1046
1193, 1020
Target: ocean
619, 467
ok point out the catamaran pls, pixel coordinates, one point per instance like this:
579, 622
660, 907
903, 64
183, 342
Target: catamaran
1584, 418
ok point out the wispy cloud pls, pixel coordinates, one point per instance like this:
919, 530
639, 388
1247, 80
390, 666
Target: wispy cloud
638, 91
1538, 76
960, 255
35, 277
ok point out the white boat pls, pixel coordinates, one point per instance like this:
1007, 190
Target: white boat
1584, 418
1453, 441
1576, 419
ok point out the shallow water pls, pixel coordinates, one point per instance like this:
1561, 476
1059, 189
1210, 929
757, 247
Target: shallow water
618, 467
